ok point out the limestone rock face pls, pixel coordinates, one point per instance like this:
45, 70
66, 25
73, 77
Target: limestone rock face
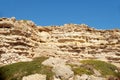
83, 42
18, 40
72, 42
44, 36
13, 58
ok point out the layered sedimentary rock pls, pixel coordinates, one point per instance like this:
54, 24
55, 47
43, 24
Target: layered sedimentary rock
21, 40
76, 42
18, 39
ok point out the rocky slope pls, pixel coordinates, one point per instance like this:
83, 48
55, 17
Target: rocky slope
21, 40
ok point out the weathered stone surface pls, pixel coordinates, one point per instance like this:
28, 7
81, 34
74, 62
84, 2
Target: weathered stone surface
82, 77
34, 77
56, 78
63, 72
88, 77
95, 78
96, 72
44, 36
53, 62
13, 58
18, 40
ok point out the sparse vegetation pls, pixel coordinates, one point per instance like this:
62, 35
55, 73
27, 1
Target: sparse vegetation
87, 66
17, 70
80, 69
104, 68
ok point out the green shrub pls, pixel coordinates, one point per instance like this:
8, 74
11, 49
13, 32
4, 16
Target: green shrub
17, 70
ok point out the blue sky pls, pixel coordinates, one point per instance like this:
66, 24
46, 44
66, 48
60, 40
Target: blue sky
100, 14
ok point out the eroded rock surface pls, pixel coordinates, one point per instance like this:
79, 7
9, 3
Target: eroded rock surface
72, 42
61, 70
34, 77
18, 40
53, 62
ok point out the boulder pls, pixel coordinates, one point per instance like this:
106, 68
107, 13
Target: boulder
34, 77
96, 72
96, 78
63, 72
53, 62
88, 77
82, 77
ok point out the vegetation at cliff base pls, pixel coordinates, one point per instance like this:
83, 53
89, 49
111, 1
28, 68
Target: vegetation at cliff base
17, 70
79, 70
88, 66
103, 67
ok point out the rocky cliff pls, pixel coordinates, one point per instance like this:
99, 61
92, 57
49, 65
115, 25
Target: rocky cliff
68, 52
21, 40
82, 42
